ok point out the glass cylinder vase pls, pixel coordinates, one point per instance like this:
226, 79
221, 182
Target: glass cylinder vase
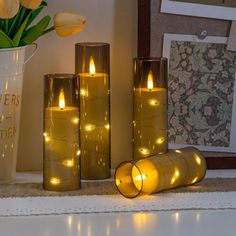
93, 68
149, 107
161, 172
61, 133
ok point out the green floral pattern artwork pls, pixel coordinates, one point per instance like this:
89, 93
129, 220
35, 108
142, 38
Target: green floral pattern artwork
201, 90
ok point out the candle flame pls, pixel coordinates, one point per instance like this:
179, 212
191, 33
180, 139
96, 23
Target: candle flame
150, 81
62, 100
92, 68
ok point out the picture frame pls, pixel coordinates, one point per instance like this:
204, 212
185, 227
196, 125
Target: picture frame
214, 160
191, 8
194, 42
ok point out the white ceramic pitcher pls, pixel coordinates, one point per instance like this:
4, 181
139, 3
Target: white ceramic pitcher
12, 62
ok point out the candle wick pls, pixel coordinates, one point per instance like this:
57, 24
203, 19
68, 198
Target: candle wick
62, 109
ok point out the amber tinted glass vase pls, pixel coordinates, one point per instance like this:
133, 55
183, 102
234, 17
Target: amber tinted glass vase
149, 107
61, 133
93, 69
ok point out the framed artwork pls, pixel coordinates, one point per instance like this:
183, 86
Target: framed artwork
146, 33
202, 92
219, 9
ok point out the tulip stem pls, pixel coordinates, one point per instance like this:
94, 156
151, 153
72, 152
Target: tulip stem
48, 30
6, 26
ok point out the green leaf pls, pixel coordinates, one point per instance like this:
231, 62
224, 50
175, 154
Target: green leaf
36, 31
18, 35
34, 14
5, 41
13, 26
21, 15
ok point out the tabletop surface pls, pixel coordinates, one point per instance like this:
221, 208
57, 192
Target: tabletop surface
194, 223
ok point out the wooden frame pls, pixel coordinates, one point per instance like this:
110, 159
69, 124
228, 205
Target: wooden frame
214, 161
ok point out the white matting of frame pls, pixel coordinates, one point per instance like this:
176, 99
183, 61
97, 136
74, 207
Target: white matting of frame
201, 10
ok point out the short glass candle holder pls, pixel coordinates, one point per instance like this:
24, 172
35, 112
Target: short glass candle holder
149, 107
93, 69
61, 167
161, 172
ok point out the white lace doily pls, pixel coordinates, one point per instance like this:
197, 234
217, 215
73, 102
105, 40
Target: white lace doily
115, 203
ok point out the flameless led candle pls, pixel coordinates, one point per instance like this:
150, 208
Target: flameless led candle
61, 137
164, 171
150, 107
92, 67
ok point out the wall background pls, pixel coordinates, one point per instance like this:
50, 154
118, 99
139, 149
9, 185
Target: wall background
179, 24
112, 21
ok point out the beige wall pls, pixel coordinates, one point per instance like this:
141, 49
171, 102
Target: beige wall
112, 21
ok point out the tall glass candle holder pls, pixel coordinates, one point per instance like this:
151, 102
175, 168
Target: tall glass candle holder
61, 133
150, 107
93, 68
150, 175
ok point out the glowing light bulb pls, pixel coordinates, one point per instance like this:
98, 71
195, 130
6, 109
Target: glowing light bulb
62, 100
92, 68
118, 182
160, 140
150, 81
55, 181
68, 163
144, 151
177, 173
78, 152
178, 151
194, 180
197, 159
75, 120
89, 127
46, 138
140, 177
107, 126
153, 102
83, 92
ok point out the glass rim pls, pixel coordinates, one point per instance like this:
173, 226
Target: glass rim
92, 44
139, 191
150, 59
60, 76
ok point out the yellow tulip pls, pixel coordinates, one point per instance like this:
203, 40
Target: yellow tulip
8, 8
67, 24
30, 4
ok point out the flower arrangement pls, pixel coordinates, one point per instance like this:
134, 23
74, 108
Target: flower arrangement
17, 18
